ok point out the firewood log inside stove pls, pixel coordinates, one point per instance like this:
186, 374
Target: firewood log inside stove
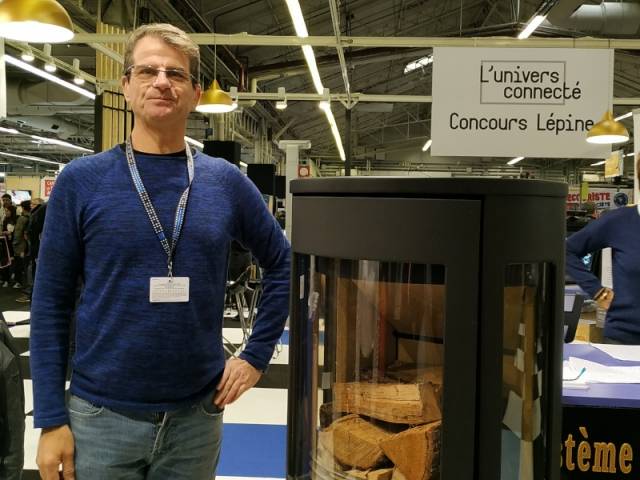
354, 442
415, 452
405, 403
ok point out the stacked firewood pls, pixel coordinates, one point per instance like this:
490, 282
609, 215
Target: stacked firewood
384, 430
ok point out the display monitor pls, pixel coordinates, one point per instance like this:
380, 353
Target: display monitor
18, 196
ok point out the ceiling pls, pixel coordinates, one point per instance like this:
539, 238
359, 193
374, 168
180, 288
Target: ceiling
376, 134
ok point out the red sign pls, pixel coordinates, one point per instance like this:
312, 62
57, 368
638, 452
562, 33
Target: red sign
47, 187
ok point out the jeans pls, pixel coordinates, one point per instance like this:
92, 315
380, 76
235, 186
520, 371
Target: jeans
116, 445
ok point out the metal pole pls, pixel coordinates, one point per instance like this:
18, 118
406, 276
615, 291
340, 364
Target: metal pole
347, 141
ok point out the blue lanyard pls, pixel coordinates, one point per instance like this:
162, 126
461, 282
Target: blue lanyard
181, 209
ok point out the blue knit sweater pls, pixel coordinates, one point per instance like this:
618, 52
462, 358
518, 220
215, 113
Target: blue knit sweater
620, 230
129, 353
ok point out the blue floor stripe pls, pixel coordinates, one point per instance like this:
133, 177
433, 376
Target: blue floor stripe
253, 451
285, 337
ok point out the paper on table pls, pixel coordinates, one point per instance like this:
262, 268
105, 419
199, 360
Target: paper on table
597, 373
621, 352
572, 377
13, 316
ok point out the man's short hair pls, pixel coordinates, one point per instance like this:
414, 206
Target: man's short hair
6, 195
172, 36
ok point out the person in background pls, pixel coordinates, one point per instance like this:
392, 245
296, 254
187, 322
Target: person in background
20, 245
8, 227
34, 232
147, 226
619, 229
6, 202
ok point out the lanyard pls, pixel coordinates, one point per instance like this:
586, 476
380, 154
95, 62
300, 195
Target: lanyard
181, 209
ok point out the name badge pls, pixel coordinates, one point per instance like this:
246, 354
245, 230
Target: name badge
169, 290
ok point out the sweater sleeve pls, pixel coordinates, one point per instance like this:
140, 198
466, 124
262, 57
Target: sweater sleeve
59, 266
593, 237
259, 231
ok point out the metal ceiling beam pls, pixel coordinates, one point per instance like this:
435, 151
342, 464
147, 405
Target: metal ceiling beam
244, 39
335, 20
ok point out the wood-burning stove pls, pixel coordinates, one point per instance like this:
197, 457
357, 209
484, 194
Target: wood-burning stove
426, 329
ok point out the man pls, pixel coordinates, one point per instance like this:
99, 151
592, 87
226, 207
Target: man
148, 228
6, 202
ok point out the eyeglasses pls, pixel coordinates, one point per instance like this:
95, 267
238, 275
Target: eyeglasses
148, 73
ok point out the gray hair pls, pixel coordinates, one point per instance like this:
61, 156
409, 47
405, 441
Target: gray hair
171, 35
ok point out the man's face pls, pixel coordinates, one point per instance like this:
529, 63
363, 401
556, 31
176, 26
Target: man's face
159, 100
6, 202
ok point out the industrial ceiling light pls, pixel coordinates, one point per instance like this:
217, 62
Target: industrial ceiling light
420, 63
513, 161
49, 66
282, 103
29, 157
77, 79
622, 117
607, 131
36, 21
215, 100
307, 50
27, 55
531, 26
62, 143
427, 145
47, 76
597, 164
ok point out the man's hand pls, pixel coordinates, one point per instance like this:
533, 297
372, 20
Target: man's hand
238, 377
56, 446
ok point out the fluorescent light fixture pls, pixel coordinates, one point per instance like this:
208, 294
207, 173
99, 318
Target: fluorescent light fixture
62, 143
336, 133
2, 174
420, 63
531, 27
630, 154
243, 164
29, 157
427, 145
78, 80
194, 142
26, 166
309, 56
298, 19
622, 117
301, 31
36, 71
9, 130
513, 161
602, 162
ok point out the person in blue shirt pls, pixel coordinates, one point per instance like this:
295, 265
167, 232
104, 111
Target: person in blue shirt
147, 226
618, 229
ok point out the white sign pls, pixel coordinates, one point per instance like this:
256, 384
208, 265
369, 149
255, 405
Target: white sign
531, 102
46, 186
604, 198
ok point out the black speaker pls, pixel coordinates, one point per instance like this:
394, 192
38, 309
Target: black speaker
281, 183
263, 175
228, 150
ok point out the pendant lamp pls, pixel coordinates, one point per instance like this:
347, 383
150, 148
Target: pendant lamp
35, 21
215, 100
608, 131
